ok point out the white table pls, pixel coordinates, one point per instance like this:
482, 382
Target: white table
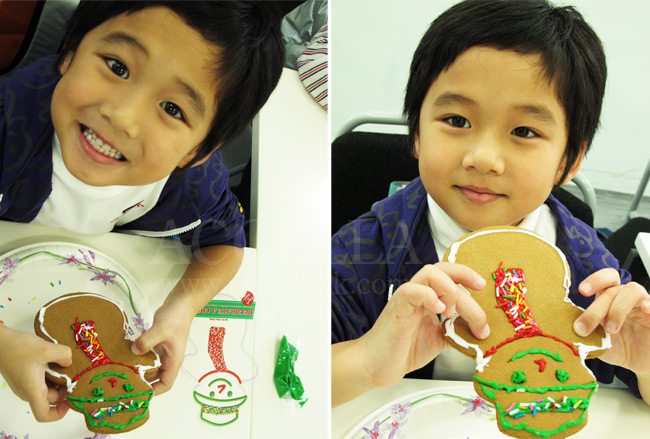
290, 233
613, 413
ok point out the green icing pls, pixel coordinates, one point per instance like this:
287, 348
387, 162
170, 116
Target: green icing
518, 377
561, 375
489, 393
121, 375
78, 402
98, 391
509, 388
556, 357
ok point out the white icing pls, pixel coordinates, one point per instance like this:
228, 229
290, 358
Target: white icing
481, 362
142, 369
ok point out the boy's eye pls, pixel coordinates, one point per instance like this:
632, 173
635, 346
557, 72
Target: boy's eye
118, 68
524, 132
458, 122
172, 109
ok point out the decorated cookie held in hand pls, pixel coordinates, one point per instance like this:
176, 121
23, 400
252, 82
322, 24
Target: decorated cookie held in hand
106, 382
532, 365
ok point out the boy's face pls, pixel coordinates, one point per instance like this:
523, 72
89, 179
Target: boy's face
492, 136
143, 84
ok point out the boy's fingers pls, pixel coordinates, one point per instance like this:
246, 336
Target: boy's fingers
629, 296
458, 273
166, 381
599, 281
413, 295
595, 313
474, 315
146, 342
443, 278
59, 354
42, 410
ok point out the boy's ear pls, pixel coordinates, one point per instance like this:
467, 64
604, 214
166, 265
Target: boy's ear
416, 146
574, 169
66, 63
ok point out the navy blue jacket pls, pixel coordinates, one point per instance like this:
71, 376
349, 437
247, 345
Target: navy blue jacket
196, 204
393, 241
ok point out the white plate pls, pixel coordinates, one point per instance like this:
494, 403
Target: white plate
33, 275
434, 413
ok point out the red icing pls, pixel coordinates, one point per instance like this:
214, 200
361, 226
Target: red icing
541, 363
85, 334
511, 298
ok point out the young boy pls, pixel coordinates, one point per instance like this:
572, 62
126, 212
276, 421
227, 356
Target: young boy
119, 133
503, 100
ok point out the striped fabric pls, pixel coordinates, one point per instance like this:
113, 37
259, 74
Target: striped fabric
312, 67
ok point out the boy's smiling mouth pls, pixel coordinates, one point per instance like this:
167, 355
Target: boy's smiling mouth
479, 194
101, 146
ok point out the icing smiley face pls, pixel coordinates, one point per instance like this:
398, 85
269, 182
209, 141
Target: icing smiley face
220, 394
538, 395
114, 399
531, 366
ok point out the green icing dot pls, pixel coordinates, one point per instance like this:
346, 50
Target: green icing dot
518, 377
128, 387
98, 391
562, 375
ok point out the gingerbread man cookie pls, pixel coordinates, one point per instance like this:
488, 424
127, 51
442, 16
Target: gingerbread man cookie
531, 367
106, 382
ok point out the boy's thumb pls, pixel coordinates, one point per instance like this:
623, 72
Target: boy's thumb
61, 355
144, 343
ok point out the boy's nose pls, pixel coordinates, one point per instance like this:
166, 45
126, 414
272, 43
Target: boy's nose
122, 115
485, 157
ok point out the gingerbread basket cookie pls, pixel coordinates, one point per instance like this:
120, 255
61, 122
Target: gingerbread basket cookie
106, 381
531, 367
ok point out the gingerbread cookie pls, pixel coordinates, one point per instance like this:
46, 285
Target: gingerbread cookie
106, 381
532, 365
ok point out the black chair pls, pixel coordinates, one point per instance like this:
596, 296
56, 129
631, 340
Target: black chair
363, 167
621, 244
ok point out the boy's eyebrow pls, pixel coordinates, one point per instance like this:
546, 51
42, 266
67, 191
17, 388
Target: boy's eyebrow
540, 112
126, 39
451, 98
195, 98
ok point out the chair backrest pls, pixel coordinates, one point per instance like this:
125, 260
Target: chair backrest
363, 167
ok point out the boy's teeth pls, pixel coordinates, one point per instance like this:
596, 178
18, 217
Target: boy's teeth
99, 145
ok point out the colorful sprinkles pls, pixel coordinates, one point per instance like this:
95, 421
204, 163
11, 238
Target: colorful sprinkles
511, 296
215, 348
549, 404
119, 408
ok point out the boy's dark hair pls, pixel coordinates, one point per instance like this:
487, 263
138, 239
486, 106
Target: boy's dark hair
250, 60
571, 52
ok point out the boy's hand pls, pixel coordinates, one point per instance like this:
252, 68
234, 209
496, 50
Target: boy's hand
624, 311
23, 359
408, 334
168, 337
